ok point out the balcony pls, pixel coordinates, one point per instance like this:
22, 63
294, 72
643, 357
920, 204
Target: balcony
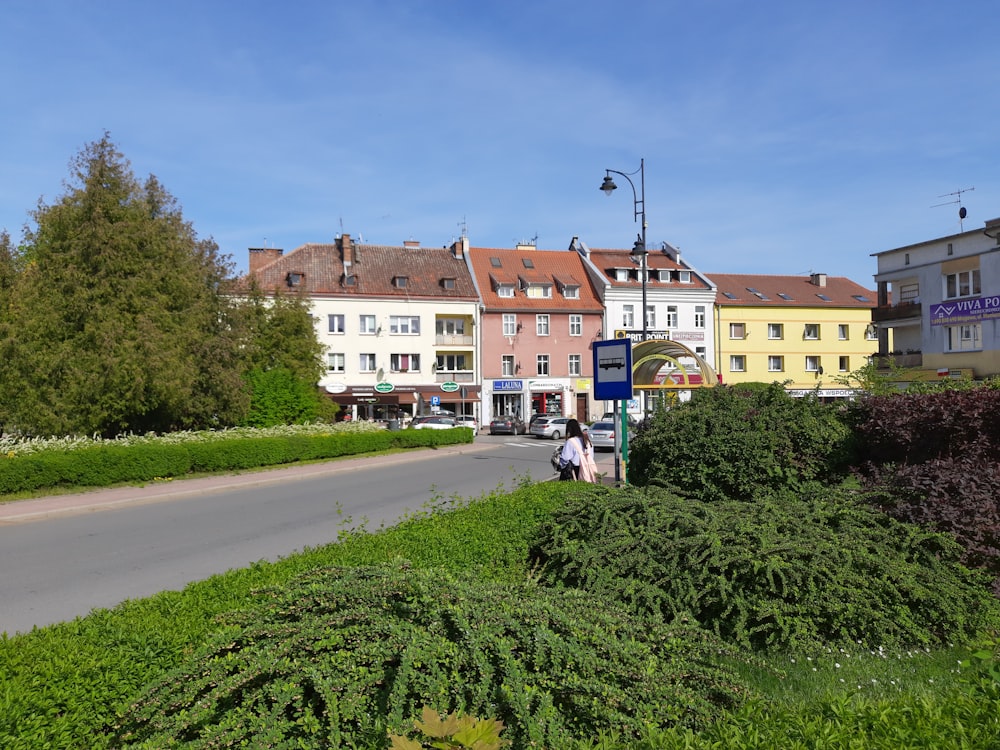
453, 339
910, 359
454, 376
902, 311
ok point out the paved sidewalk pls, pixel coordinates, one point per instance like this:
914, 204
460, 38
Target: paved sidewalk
88, 501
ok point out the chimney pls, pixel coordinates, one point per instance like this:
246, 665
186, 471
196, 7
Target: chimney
262, 256
411, 243
460, 247
346, 250
818, 279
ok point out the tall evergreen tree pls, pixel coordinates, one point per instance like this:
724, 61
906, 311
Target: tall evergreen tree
117, 319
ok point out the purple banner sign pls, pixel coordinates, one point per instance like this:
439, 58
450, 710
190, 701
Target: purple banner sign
964, 311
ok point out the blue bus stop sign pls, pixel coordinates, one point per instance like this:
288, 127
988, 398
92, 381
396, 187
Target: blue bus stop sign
613, 370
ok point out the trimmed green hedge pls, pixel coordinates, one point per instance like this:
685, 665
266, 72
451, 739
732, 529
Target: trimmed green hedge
106, 465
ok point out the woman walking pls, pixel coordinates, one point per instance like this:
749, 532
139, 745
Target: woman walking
578, 454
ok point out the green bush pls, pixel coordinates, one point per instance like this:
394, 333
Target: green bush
787, 571
735, 442
340, 656
62, 683
108, 463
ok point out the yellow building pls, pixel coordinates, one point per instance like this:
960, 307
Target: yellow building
804, 331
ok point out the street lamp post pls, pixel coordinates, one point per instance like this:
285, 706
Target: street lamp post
639, 255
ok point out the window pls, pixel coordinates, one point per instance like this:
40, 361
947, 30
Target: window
737, 331
294, 278
684, 277
962, 284
505, 290
845, 364
813, 365
871, 332
495, 262
571, 292
701, 351
737, 363
775, 330
404, 362
775, 363
575, 325
542, 325
671, 316
507, 365
539, 290
621, 274
335, 323
575, 365
811, 331
335, 362
909, 293
699, 316
448, 283
628, 316
450, 326
964, 338
452, 362
404, 324
400, 282
367, 363
843, 331
650, 316
509, 324
366, 324
542, 364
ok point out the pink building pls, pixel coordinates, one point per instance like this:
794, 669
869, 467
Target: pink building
540, 315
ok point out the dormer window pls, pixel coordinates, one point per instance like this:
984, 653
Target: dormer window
400, 282
349, 279
571, 292
447, 283
663, 275
684, 277
621, 274
295, 278
505, 290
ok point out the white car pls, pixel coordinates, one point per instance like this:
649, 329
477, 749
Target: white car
467, 420
433, 423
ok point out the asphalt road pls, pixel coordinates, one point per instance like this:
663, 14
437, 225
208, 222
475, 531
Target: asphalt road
63, 556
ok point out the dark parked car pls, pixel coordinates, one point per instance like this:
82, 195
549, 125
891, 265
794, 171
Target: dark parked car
508, 424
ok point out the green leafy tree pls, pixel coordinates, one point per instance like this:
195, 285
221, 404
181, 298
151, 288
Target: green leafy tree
284, 360
117, 319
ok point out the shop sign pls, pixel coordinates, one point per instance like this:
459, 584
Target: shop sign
336, 388
508, 385
449, 386
385, 387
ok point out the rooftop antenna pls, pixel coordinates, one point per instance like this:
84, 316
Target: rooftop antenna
464, 227
962, 213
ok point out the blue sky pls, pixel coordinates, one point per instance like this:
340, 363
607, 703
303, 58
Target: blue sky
779, 137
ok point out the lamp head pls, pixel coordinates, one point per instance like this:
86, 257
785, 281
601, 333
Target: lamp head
608, 186
639, 251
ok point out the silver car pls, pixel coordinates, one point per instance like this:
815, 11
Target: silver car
549, 427
602, 435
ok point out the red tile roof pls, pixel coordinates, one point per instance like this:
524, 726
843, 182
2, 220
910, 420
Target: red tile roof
375, 269
556, 267
798, 291
608, 260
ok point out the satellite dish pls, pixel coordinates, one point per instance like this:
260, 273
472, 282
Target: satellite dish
962, 213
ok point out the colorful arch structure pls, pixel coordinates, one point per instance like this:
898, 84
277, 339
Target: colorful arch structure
650, 357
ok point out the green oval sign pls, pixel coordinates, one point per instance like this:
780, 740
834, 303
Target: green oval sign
384, 387
449, 386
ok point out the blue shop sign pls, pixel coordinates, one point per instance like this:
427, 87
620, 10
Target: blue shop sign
508, 385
